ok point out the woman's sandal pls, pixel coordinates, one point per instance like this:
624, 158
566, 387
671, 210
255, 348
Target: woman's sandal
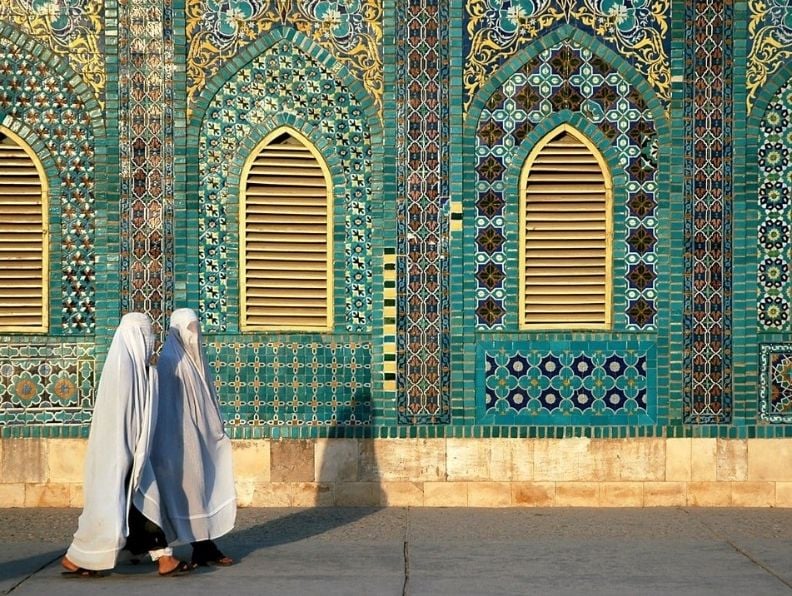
220, 560
182, 568
72, 570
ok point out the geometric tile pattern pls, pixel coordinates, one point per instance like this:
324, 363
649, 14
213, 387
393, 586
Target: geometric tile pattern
775, 383
292, 383
775, 213
769, 42
72, 29
350, 30
422, 194
44, 384
284, 82
145, 142
638, 30
37, 97
708, 191
566, 77
534, 384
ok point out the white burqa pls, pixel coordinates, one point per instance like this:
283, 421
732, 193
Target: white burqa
191, 454
118, 445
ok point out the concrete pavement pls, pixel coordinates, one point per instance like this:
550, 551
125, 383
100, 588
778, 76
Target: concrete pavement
398, 551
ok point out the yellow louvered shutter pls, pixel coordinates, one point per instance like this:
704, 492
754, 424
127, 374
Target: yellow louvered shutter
286, 236
23, 235
566, 235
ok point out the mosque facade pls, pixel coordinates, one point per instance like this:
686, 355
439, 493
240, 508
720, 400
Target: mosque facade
474, 252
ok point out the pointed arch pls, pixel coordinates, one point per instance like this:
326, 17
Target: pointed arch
566, 229
286, 236
24, 229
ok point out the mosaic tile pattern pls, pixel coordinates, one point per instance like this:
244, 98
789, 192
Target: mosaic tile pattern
351, 30
769, 42
44, 384
145, 144
708, 191
564, 77
637, 29
74, 30
775, 383
292, 383
43, 106
423, 334
537, 384
284, 83
774, 159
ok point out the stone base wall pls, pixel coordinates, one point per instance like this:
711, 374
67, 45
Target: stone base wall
575, 472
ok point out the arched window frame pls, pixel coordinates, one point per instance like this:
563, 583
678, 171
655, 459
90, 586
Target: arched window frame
609, 238
44, 198
330, 200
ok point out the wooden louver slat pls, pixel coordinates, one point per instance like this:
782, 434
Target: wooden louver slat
23, 269
565, 251
286, 260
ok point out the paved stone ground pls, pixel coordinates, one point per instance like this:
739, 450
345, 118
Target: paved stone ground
398, 551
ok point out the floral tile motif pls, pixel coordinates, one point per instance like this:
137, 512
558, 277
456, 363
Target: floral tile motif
74, 30
566, 77
637, 29
775, 208
769, 42
284, 82
46, 384
35, 98
775, 383
351, 30
708, 191
535, 384
291, 383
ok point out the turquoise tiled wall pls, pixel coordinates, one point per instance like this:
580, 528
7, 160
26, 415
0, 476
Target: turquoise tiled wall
144, 131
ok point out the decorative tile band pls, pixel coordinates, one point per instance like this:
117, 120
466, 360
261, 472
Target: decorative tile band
775, 213
775, 383
292, 383
46, 384
708, 191
639, 30
146, 152
540, 383
422, 186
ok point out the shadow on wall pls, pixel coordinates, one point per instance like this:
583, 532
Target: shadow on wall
313, 474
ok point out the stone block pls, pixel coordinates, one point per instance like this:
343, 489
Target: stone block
292, 460
12, 495
732, 460
76, 496
753, 494
636, 459
66, 458
489, 494
563, 460
677, 460
23, 460
387, 460
621, 494
770, 459
533, 494
522, 459
336, 460
51, 494
709, 494
357, 494
244, 492
665, 494
402, 494
445, 494
577, 494
271, 494
251, 460
468, 459
783, 494
703, 459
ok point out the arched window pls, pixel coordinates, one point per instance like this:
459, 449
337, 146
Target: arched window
23, 237
286, 259
565, 235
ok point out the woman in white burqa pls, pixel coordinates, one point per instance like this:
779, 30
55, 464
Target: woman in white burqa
191, 454
117, 460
